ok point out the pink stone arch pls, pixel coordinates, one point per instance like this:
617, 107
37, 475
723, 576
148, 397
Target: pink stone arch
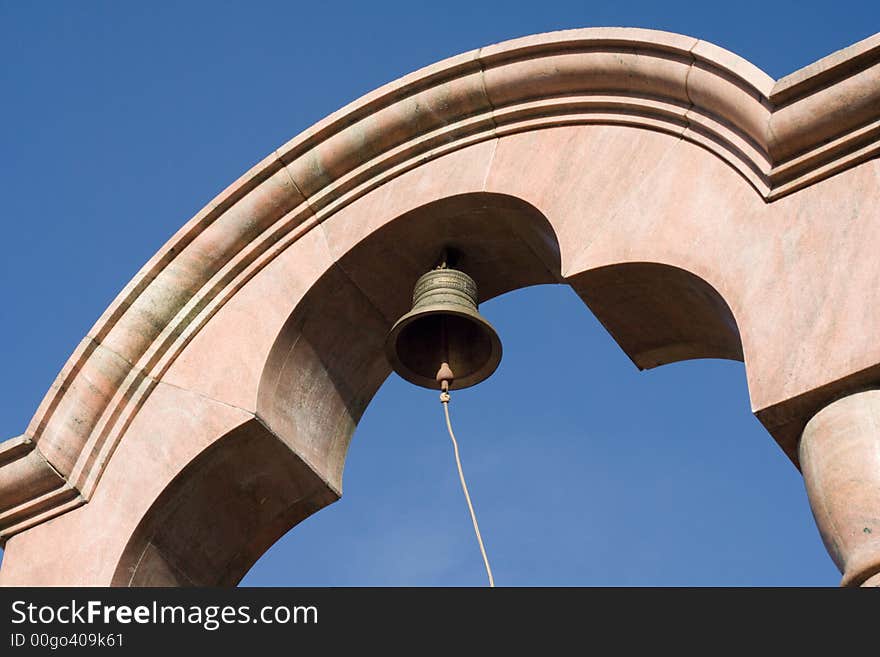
690, 200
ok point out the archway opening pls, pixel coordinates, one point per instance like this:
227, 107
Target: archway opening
327, 364
583, 470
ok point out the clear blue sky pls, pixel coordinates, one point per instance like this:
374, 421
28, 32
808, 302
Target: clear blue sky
119, 121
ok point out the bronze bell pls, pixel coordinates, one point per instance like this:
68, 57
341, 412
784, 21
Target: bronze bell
443, 331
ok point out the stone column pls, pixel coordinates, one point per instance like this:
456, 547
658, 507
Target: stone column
840, 460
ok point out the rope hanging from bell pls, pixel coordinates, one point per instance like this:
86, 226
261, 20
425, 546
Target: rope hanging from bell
443, 342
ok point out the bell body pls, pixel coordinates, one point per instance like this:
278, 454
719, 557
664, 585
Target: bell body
444, 325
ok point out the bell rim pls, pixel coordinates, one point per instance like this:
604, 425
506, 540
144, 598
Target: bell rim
406, 374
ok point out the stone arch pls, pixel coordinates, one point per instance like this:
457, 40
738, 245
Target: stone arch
266, 491
327, 362
672, 184
338, 331
681, 316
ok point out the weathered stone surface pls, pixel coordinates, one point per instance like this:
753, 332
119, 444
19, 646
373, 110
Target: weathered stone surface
699, 209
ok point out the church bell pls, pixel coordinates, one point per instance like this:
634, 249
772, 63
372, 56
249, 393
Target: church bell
443, 337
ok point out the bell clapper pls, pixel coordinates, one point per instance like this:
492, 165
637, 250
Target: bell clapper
445, 376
